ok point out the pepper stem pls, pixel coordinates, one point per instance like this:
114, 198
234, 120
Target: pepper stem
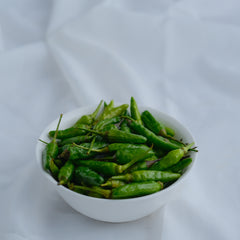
105, 149
187, 147
56, 132
42, 141
92, 131
91, 146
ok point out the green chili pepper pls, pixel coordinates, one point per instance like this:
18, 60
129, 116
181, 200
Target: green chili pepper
148, 175
84, 175
180, 166
124, 127
118, 146
90, 118
171, 158
111, 168
152, 124
158, 141
125, 191
51, 150
170, 131
113, 112
70, 132
135, 114
65, 173
105, 168
126, 155
94, 194
143, 165
53, 169
138, 166
105, 104
80, 189
59, 162
116, 135
110, 183
136, 189
109, 127
77, 140
103, 123
74, 151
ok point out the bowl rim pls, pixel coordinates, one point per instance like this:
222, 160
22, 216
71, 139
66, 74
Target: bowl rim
141, 198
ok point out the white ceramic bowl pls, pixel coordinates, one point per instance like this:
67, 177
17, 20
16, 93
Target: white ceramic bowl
116, 210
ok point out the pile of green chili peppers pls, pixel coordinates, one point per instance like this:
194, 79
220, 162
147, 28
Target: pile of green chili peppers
116, 152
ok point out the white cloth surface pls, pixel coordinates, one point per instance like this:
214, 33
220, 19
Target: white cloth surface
181, 57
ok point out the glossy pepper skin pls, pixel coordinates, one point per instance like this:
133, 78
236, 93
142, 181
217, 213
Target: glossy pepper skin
135, 114
157, 141
90, 118
171, 158
136, 189
86, 176
65, 173
51, 150
148, 175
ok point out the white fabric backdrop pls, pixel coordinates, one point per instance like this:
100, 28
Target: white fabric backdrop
182, 57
